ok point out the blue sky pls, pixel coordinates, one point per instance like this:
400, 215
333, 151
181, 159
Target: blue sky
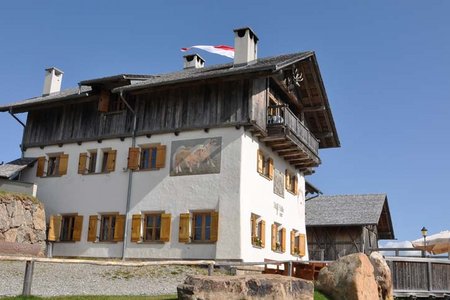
385, 64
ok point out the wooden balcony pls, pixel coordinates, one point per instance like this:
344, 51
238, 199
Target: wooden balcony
290, 138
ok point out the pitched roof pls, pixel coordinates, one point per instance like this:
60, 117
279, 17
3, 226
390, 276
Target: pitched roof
270, 64
346, 210
11, 169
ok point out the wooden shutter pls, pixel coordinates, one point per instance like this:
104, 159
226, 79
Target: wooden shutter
253, 232
111, 161
283, 239
136, 228
82, 163
54, 228
296, 185
160, 156
302, 246
270, 166
119, 228
183, 233
260, 162
103, 101
165, 227
287, 181
292, 242
40, 166
214, 226
77, 228
263, 233
63, 162
92, 230
274, 237
133, 158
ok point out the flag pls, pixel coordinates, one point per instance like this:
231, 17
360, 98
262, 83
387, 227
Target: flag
220, 49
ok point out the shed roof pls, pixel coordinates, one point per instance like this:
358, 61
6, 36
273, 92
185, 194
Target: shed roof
349, 210
11, 169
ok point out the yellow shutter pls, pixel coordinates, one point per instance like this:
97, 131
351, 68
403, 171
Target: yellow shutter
92, 230
254, 234
165, 227
133, 158
82, 163
63, 162
54, 228
283, 239
103, 101
260, 162
136, 228
119, 228
263, 233
183, 233
77, 228
292, 242
40, 166
214, 226
270, 166
274, 237
287, 180
111, 161
302, 246
160, 156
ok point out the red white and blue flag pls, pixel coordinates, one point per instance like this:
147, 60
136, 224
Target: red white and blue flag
220, 49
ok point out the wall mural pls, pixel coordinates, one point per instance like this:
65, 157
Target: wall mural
278, 183
194, 157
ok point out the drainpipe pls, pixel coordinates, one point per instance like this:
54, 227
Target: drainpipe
130, 175
23, 125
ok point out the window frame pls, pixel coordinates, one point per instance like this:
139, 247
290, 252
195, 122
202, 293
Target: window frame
92, 162
67, 236
156, 231
151, 159
291, 182
111, 227
267, 168
256, 230
203, 227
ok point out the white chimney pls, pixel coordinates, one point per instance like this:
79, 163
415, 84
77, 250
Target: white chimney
193, 61
245, 46
53, 79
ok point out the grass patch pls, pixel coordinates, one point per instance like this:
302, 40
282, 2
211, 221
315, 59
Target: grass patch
319, 296
162, 297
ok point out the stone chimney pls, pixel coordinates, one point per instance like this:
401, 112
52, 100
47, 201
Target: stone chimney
245, 46
193, 61
53, 80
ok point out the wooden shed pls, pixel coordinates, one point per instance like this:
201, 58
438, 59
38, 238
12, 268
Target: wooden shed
343, 224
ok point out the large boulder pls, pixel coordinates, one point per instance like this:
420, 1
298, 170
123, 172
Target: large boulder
349, 278
260, 286
383, 276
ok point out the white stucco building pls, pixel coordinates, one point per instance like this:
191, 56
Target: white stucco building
203, 163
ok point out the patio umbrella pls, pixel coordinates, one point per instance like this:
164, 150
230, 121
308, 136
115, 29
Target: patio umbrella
436, 244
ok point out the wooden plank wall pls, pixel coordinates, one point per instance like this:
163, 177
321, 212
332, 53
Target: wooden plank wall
176, 109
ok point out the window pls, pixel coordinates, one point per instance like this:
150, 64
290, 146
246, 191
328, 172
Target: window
264, 165
258, 231
291, 183
278, 238
65, 228
92, 162
88, 161
199, 227
108, 102
147, 157
154, 226
298, 243
54, 164
112, 227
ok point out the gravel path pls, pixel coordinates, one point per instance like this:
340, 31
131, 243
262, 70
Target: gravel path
51, 279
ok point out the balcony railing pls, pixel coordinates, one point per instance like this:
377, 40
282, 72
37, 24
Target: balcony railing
282, 115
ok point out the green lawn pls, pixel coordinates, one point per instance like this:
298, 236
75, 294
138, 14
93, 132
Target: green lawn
164, 297
319, 296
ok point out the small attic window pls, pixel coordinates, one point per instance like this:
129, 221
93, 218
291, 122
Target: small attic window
108, 102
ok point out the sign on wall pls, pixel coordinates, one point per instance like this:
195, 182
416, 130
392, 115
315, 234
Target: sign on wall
278, 183
194, 157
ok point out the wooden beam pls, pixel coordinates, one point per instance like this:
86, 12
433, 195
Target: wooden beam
313, 109
273, 138
292, 98
285, 150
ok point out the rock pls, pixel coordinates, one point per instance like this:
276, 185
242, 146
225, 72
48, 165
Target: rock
11, 235
260, 286
39, 219
383, 276
18, 215
4, 218
351, 277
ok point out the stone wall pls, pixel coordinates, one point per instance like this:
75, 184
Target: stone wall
22, 224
